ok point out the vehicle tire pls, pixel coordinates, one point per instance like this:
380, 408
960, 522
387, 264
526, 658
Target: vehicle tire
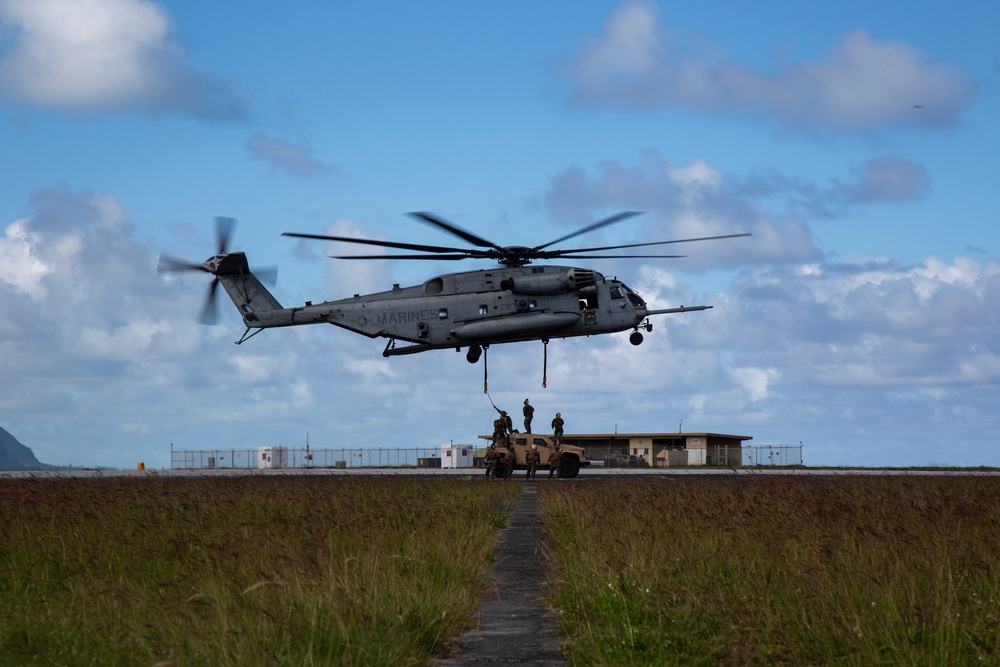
569, 468
501, 470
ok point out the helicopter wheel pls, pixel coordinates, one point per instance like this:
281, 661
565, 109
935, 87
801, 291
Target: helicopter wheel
472, 356
635, 338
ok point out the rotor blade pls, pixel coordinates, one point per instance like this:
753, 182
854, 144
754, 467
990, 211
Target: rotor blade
209, 314
223, 232
266, 274
374, 242
618, 217
168, 264
562, 253
454, 229
621, 256
448, 257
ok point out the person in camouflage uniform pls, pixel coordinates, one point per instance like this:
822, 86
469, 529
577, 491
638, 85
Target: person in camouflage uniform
557, 428
499, 437
555, 458
529, 413
490, 459
532, 458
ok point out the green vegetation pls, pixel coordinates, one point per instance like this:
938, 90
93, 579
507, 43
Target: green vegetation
242, 570
766, 570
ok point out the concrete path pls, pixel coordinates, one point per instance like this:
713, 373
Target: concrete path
516, 625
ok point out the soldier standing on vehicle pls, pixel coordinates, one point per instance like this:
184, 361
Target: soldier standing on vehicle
529, 413
532, 458
508, 424
555, 458
557, 428
499, 437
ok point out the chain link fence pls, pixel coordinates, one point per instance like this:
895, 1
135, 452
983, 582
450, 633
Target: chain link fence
430, 457
772, 455
291, 457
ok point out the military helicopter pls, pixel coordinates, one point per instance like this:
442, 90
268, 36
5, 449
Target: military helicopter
515, 301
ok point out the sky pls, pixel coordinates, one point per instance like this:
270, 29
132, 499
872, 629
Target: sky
858, 142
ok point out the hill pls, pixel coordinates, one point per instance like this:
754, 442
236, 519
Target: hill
15, 456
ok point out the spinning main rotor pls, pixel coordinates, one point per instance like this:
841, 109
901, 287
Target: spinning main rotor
510, 256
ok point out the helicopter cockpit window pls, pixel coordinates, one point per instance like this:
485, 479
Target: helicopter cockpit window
443, 314
616, 292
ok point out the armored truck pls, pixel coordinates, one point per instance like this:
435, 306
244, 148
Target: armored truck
512, 457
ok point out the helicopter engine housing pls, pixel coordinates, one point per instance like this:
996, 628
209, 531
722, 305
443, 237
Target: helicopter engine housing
541, 284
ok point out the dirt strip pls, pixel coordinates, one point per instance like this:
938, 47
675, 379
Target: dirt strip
516, 625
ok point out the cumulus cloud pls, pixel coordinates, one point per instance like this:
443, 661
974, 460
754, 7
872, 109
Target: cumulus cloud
860, 84
872, 323
682, 202
106, 54
884, 179
293, 157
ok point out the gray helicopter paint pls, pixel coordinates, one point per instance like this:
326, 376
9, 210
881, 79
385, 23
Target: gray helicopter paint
455, 310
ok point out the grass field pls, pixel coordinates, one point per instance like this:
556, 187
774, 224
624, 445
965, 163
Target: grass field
773, 570
265, 570
246, 570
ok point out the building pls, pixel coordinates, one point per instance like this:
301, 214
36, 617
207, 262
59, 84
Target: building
660, 450
456, 456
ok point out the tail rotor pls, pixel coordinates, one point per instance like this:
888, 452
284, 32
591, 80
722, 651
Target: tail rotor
223, 235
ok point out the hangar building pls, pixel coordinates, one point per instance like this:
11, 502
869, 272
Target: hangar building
661, 450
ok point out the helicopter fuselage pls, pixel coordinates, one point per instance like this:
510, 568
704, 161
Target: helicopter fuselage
484, 307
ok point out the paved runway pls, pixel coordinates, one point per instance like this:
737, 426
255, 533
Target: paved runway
585, 473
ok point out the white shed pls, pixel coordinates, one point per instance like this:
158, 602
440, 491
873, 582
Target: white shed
456, 456
272, 457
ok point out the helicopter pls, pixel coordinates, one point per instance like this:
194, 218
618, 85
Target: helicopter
514, 301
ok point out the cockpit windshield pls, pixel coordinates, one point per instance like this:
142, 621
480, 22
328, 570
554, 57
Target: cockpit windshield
634, 298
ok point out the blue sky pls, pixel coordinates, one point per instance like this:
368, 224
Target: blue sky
857, 141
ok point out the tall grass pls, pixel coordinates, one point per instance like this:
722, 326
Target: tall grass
249, 570
763, 570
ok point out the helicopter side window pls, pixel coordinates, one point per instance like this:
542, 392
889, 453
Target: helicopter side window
484, 309
616, 292
443, 314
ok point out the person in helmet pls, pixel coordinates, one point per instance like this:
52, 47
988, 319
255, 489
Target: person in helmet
529, 413
531, 459
557, 428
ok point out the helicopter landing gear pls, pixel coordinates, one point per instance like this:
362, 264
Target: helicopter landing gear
636, 337
472, 356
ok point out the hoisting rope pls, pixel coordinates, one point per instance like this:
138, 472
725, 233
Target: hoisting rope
486, 385
545, 360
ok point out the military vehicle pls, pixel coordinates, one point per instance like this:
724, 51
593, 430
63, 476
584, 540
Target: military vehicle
573, 457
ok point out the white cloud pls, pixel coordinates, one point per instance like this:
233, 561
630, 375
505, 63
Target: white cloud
860, 84
19, 267
682, 202
755, 381
105, 54
294, 157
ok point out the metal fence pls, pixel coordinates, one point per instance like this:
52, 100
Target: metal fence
430, 457
772, 455
302, 457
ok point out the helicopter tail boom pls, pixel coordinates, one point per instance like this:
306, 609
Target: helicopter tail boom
255, 303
